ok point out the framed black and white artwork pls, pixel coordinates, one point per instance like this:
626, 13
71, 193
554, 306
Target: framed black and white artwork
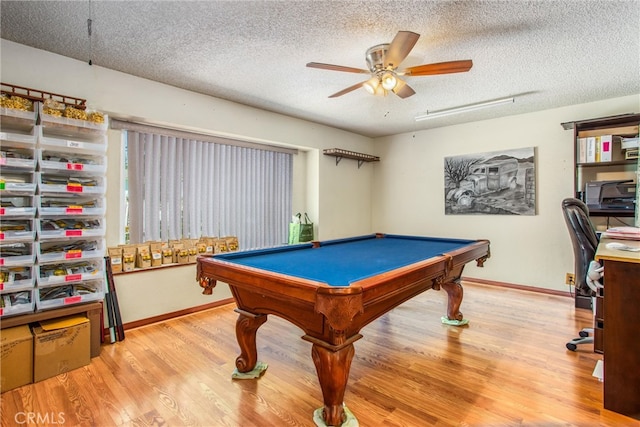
493, 183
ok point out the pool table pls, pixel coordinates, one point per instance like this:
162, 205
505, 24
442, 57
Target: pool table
332, 289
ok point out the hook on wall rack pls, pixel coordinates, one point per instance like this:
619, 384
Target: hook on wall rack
339, 154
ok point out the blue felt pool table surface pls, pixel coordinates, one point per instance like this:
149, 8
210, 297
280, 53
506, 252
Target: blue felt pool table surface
344, 261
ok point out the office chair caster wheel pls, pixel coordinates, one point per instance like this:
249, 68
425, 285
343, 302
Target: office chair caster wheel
571, 346
583, 334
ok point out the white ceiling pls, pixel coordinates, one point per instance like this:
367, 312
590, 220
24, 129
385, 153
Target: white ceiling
545, 53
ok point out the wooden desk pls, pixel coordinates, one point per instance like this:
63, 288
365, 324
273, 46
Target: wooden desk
93, 311
620, 326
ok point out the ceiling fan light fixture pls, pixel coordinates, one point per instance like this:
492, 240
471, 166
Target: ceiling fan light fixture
389, 81
372, 85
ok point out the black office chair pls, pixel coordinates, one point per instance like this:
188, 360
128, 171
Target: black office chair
585, 242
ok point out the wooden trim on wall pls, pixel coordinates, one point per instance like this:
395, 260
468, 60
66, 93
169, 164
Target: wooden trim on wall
167, 316
519, 287
174, 314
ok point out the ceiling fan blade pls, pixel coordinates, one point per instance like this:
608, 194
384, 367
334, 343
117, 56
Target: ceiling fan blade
439, 68
403, 90
337, 68
399, 48
347, 90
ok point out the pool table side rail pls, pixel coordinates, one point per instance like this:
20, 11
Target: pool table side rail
405, 283
257, 279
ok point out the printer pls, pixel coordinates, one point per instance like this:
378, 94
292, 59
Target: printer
608, 195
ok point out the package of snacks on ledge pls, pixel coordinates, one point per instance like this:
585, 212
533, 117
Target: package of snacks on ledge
115, 255
193, 253
208, 242
128, 257
167, 253
201, 246
143, 256
156, 253
180, 253
219, 245
232, 243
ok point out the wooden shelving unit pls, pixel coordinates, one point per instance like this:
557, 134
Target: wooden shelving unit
620, 126
339, 154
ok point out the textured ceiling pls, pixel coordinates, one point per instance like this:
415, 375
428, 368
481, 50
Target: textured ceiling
545, 53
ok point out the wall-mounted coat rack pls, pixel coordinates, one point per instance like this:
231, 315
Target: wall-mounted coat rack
339, 154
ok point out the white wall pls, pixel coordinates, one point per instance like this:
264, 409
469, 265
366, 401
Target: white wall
403, 193
125, 96
527, 250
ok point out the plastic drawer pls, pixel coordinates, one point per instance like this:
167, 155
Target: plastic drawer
18, 207
71, 205
70, 184
16, 278
58, 228
18, 159
52, 161
15, 139
17, 120
17, 230
60, 296
15, 303
70, 272
65, 126
17, 183
17, 254
70, 250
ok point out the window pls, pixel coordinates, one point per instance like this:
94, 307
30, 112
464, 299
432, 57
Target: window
180, 187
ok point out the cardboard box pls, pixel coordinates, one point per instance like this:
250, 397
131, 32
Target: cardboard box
16, 359
60, 345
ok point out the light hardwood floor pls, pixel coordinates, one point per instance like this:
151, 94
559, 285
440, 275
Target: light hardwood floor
508, 367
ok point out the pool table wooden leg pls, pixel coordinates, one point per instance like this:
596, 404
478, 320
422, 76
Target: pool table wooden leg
454, 292
246, 328
333, 367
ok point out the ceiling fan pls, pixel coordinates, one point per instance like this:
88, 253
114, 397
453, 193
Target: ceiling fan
383, 61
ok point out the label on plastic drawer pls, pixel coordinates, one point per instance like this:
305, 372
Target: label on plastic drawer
74, 144
1, 261
74, 188
3, 161
73, 300
72, 277
1, 236
74, 210
1, 286
1, 211
75, 166
71, 233
74, 253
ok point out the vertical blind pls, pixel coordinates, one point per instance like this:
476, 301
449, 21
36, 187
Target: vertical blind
187, 188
